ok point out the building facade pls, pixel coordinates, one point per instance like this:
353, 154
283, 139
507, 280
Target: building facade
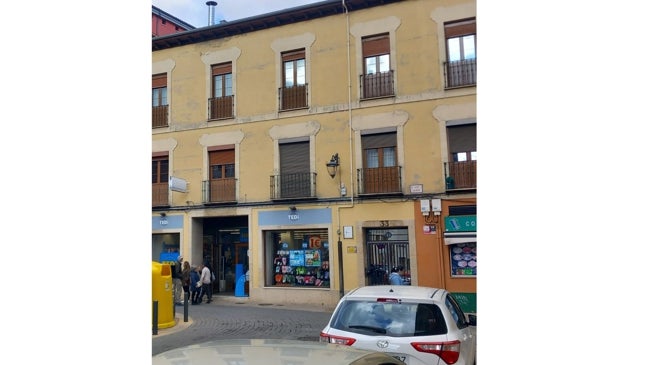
163, 23
311, 150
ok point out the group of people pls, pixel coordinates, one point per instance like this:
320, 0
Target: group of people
195, 280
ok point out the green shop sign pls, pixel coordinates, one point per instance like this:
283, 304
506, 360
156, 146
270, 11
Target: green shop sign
467, 301
460, 223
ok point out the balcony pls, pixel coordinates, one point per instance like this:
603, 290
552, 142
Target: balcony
460, 73
380, 180
460, 175
293, 186
222, 107
377, 85
159, 194
294, 97
160, 116
220, 190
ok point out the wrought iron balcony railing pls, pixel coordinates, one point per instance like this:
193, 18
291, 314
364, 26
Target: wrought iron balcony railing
222, 107
294, 97
377, 85
460, 175
293, 186
159, 194
220, 190
460, 73
380, 180
159, 116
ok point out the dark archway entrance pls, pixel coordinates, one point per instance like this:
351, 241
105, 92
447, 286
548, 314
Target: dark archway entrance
225, 245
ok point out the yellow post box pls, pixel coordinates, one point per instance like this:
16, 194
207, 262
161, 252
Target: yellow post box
161, 290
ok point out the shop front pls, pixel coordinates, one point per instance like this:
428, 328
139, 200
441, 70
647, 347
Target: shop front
296, 252
460, 239
166, 238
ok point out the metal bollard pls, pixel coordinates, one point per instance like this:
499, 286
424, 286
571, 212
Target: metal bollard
185, 306
155, 317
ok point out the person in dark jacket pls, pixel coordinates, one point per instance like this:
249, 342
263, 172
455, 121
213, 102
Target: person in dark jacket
185, 278
195, 291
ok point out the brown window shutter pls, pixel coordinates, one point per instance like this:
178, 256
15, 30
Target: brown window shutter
460, 28
222, 69
376, 45
379, 140
159, 81
293, 55
222, 157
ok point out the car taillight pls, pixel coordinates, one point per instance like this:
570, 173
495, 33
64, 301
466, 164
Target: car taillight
336, 339
387, 300
447, 351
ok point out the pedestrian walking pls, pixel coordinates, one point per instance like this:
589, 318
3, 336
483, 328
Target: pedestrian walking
205, 284
177, 284
185, 278
195, 285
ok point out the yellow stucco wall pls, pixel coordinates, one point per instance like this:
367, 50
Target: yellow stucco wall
418, 113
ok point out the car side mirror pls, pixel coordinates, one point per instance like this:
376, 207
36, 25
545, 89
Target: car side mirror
472, 319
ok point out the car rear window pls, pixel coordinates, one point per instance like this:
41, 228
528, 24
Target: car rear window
389, 319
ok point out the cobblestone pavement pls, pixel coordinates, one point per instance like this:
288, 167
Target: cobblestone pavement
237, 318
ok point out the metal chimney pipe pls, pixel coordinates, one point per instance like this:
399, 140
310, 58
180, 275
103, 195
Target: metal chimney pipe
211, 5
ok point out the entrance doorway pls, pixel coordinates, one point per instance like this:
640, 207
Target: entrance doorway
225, 245
385, 249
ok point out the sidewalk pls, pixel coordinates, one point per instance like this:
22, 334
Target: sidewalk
229, 300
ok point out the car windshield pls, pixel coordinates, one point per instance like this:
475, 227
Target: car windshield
390, 319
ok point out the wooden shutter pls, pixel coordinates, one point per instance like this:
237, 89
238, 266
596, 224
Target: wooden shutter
222, 69
460, 28
379, 140
462, 138
376, 45
293, 55
222, 157
159, 81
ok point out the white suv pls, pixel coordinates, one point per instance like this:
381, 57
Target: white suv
415, 324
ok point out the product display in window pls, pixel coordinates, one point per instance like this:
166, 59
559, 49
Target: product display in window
463, 259
301, 267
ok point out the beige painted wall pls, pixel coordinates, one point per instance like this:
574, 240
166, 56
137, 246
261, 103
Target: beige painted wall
418, 112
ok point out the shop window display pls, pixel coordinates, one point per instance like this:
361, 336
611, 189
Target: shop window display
297, 258
463, 259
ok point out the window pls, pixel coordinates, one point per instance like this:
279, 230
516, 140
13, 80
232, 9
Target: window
297, 258
159, 101
222, 183
373, 318
221, 102
462, 150
293, 94
160, 180
456, 312
377, 78
460, 67
380, 173
463, 259
295, 179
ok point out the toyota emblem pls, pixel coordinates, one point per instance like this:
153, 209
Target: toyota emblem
382, 344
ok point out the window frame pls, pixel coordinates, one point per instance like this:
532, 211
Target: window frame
159, 90
293, 58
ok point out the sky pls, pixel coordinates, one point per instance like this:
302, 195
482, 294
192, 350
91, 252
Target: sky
196, 12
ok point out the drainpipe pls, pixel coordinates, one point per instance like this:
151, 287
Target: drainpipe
351, 186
